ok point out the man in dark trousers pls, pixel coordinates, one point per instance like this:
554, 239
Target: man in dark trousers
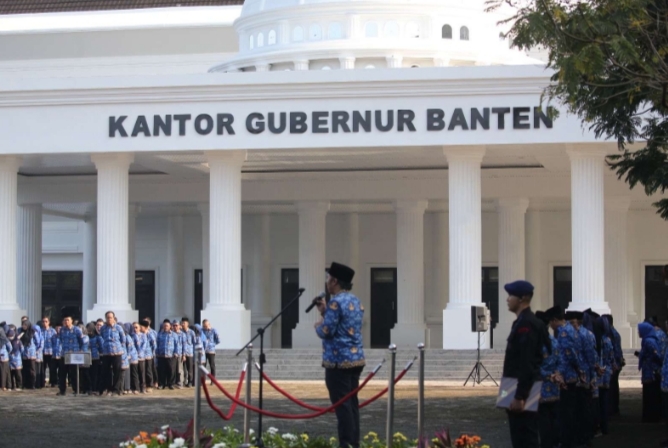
522, 361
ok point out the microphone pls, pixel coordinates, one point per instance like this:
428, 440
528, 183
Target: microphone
315, 301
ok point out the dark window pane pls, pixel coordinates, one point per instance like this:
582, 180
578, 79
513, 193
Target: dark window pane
563, 274
49, 280
383, 275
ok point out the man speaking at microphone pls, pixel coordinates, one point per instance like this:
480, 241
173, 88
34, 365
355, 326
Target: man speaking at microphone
340, 329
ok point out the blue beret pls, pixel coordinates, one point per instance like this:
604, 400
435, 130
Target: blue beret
519, 288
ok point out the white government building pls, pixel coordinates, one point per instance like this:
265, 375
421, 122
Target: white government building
207, 159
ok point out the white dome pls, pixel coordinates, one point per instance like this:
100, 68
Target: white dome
277, 35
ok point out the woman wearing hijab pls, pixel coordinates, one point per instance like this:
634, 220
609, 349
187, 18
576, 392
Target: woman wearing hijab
133, 356
15, 361
650, 366
29, 355
5, 348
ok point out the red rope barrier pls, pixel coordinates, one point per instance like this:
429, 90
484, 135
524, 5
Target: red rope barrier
233, 408
283, 416
384, 391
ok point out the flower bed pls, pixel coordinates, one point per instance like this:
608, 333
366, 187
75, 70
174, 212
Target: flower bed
230, 437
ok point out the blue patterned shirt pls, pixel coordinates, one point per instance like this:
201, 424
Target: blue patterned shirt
189, 342
4, 352
56, 346
588, 347
71, 340
664, 374
39, 343
570, 361
15, 355
113, 339
663, 341
606, 362
211, 340
131, 350
95, 346
617, 347
48, 340
341, 332
550, 390
650, 360
166, 344
141, 344
179, 337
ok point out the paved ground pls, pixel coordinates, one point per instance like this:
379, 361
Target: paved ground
40, 419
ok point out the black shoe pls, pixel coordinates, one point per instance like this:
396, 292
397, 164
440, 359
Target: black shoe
61, 394
171, 387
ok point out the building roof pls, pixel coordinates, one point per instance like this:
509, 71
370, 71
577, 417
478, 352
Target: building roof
52, 6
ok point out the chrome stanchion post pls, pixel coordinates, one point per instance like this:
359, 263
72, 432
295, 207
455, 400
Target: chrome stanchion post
421, 395
390, 396
198, 398
247, 413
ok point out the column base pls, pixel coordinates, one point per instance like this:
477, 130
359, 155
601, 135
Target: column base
304, 336
12, 316
259, 321
233, 324
408, 336
626, 333
457, 334
435, 330
123, 314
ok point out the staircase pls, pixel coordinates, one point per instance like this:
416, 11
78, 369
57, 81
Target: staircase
440, 365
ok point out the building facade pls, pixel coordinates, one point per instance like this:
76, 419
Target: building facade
208, 161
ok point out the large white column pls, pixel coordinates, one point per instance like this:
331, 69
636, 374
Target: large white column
112, 238
440, 272
312, 216
465, 247
617, 269
511, 259
535, 270
90, 266
588, 230
353, 252
261, 284
133, 211
29, 260
10, 311
225, 311
204, 211
174, 305
410, 328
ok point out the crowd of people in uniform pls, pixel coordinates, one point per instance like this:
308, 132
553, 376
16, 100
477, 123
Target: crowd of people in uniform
125, 358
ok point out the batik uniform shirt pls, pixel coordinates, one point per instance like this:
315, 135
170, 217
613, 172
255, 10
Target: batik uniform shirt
4, 352
649, 360
189, 342
15, 355
95, 346
85, 343
606, 362
57, 346
664, 373
48, 335
153, 340
588, 347
39, 343
166, 344
617, 347
199, 344
178, 343
663, 341
141, 344
211, 340
570, 359
71, 340
341, 332
125, 361
549, 391
30, 350
131, 350
113, 340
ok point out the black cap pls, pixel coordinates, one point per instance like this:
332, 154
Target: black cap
341, 272
556, 312
570, 315
542, 316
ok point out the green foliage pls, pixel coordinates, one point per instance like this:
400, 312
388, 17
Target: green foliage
610, 62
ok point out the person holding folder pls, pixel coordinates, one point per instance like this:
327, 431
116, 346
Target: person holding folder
524, 354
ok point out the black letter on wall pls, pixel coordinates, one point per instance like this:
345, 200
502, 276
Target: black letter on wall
117, 125
182, 122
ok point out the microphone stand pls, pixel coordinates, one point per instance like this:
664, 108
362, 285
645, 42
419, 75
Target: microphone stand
260, 333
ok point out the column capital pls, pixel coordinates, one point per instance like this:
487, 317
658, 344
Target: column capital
123, 159
227, 157
585, 152
203, 208
410, 206
517, 205
11, 163
617, 203
312, 206
464, 153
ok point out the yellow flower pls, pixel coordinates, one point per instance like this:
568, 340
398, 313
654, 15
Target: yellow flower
305, 437
332, 440
400, 436
485, 446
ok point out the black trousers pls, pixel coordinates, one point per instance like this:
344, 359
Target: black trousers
16, 375
40, 374
141, 376
29, 374
603, 409
211, 359
548, 424
176, 371
95, 376
84, 379
567, 411
340, 382
149, 368
50, 362
112, 374
583, 415
524, 429
5, 375
651, 402
166, 368
614, 393
66, 371
188, 366
134, 377
154, 367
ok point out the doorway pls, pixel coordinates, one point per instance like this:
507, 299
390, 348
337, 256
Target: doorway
563, 286
290, 318
145, 294
62, 294
199, 295
656, 293
383, 305
490, 296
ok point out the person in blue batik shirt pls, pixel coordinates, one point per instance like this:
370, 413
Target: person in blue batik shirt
133, 357
71, 341
165, 349
587, 347
5, 348
49, 361
660, 335
188, 352
143, 350
178, 353
39, 357
149, 355
15, 359
649, 363
29, 341
340, 329
211, 339
548, 417
113, 351
200, 343
606, 354
620, 362
664, 393
95, 343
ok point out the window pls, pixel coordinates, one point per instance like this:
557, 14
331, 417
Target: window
315, 32
464, 33
371, 29
391, 29
412, 30
260, 40
62, 294
298, 34
271, 38
251, 42
334, 31
446, 32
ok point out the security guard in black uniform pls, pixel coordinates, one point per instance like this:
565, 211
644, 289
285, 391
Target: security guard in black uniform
522, 361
